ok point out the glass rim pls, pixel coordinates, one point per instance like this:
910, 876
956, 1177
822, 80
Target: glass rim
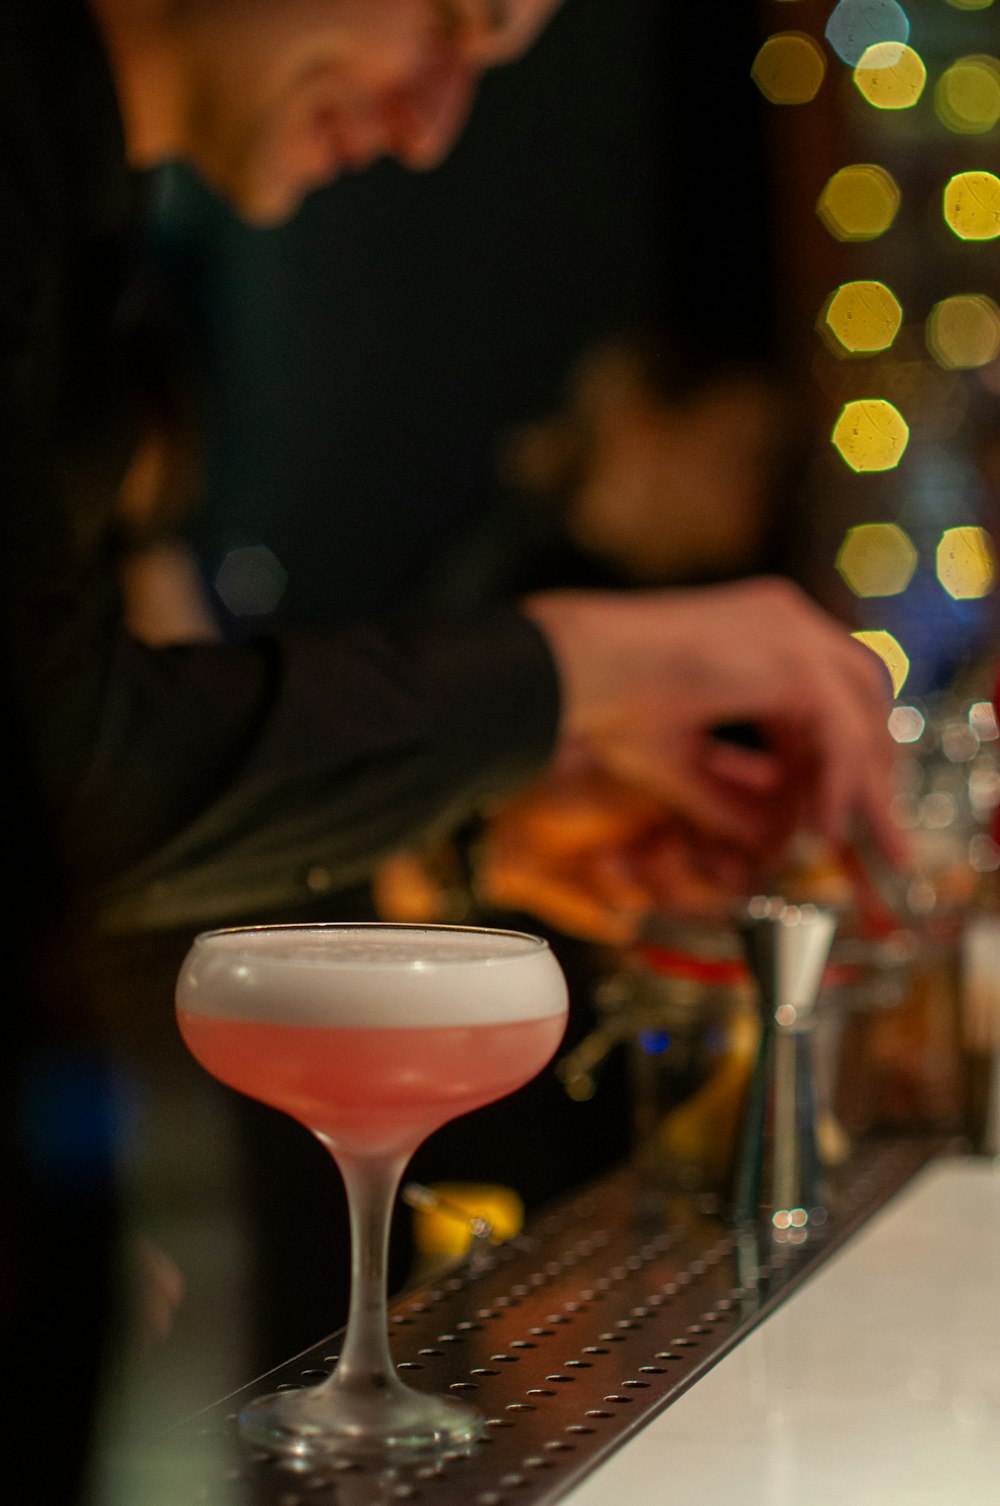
533, 944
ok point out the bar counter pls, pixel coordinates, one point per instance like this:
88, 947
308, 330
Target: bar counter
628, 1346
876, 1384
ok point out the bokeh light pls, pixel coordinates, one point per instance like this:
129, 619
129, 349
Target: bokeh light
890, 651
959, 743
859, 202
864, 316
967, 97
966, 564
891, 76
970, 4
856, 25
877, 559
789, 68
251, 581
963, 332
870, 434
906, 724
972, 206
983, 721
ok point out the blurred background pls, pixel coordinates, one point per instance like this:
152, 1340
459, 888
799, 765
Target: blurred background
696, 295
635, 178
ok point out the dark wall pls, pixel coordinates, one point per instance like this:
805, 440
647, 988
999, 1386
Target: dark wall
366, 358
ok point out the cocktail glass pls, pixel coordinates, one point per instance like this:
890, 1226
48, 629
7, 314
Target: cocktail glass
371, 1036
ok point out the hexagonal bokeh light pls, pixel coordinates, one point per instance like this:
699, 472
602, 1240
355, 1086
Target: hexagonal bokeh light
983, 721
890, 76
864, 316
967, 97
870, 434
966, 563
789, 68
854, 26
890, 651
906, 724
859, 202
972, 206
877, 559
963, 332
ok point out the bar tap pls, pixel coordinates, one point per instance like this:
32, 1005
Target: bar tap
786, 948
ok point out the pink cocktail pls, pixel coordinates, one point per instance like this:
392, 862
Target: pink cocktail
372, 1036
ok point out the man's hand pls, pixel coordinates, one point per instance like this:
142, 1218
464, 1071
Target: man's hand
647, 678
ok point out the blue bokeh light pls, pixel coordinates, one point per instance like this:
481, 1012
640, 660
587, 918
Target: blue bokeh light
856, 25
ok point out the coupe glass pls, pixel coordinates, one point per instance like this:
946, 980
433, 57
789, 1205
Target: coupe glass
371, 1036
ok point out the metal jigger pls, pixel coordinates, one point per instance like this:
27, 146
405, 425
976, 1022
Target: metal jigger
786, 949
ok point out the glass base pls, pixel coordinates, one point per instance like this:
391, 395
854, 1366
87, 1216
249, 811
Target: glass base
395, 1424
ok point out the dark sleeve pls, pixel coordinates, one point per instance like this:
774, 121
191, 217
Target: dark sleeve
363, 739
190, 785
193, 784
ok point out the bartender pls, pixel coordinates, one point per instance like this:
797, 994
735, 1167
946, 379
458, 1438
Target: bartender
205, 781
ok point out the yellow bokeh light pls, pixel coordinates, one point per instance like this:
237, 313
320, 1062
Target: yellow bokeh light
967, 97
877, 559
964, 332
871, 435
864, 316
891, 652
970, 4
891, 76
859, 202
972, 206
789, 68
966, 564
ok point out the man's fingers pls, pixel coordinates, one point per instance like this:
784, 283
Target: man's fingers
647, 677
748, 768
612, 876
713, 806
876, 811
837, 745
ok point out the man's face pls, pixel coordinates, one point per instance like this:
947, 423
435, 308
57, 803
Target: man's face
283, 95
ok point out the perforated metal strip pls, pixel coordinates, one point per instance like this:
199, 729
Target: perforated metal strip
604, 1313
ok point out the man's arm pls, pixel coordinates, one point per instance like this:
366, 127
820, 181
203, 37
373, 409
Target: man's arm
367, 739
202, 782
197, 783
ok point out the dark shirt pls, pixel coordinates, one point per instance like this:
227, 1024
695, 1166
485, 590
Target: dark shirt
190, 784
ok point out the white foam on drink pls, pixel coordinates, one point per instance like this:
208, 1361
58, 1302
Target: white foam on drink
378, 976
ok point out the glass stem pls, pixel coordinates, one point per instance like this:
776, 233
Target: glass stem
365, 1363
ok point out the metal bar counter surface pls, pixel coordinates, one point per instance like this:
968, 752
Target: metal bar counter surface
579, 1338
